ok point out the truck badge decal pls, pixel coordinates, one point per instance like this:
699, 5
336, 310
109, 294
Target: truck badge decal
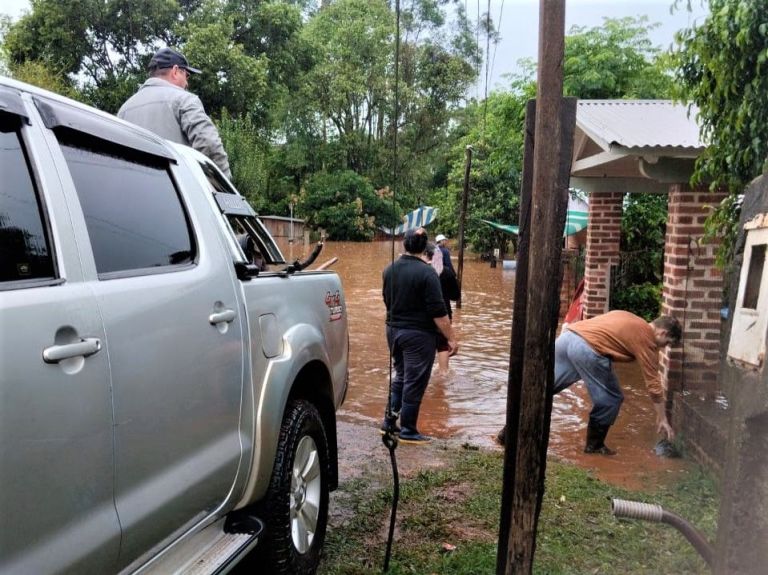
333, 301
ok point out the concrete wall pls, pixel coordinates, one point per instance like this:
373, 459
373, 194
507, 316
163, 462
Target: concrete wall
742, 538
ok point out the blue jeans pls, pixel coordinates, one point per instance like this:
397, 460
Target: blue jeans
575, 360
413, 353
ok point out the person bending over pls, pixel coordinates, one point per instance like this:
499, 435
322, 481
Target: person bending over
586, 351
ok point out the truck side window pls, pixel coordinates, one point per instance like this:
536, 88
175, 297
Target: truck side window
249, 231
135, 218
25, 249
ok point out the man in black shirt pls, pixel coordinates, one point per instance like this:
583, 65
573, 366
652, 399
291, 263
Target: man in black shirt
415, 312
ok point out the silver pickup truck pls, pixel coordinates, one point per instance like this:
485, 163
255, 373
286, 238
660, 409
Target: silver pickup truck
165, 402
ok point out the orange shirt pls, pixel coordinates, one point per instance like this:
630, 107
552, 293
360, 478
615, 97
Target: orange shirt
625, 337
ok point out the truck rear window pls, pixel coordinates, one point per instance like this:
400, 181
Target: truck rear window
134, 215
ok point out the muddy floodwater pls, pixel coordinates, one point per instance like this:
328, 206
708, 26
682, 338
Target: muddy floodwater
469, 404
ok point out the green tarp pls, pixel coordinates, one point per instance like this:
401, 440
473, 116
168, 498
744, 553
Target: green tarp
575, 219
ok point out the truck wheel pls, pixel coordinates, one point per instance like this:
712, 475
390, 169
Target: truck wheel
297, 500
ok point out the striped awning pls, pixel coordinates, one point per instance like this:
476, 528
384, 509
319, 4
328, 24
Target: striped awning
513, 230
577, 215
418, 218
575, 219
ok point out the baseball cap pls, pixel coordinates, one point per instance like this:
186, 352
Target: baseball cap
440, 238
168, 58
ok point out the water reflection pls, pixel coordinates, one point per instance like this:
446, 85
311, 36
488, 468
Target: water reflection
470, 402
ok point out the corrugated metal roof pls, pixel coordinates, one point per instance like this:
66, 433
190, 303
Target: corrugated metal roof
639, 123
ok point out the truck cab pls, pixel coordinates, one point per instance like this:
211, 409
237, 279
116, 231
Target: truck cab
163, 397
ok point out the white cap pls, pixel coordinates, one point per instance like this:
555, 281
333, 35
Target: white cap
440, 238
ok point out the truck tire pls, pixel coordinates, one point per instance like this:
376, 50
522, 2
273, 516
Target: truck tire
297, 499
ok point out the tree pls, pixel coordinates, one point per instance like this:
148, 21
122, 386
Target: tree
352, 40
346, 205
352, 87
721, 67
496, 136
615, 60
102, 45
231, 78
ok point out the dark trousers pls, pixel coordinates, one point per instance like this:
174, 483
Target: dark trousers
413, 353
575, 360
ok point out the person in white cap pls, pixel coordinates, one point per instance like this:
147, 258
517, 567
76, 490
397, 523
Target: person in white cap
441, 240
164, 106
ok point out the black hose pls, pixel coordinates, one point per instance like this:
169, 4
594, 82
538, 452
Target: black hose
657, 514
390, 441
297, 266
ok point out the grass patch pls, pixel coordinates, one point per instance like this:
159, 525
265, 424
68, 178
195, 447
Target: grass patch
459, 505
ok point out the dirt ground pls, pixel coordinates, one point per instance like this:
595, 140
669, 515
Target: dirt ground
362, 454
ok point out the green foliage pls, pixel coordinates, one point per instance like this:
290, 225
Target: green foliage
723, 69
345, 205
615, 60
643, 226
101, 45
247, 152
349, 85
495, 134
38, 74
641, 299
350, 92
232, 79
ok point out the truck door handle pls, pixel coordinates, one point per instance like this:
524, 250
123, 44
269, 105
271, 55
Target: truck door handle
227, 315
84, 348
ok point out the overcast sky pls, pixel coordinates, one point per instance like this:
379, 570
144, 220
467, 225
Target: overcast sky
518, 22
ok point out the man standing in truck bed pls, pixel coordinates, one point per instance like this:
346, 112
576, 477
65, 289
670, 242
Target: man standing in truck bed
164, 106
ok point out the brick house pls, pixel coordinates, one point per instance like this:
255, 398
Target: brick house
650, 146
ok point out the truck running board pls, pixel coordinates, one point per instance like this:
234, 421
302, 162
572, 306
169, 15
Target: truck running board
217, 549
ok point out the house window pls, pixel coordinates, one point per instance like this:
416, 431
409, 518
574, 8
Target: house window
754, 275
749, 329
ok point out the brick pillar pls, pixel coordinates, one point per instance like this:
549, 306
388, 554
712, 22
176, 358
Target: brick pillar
693, 292
568, 286
603, 234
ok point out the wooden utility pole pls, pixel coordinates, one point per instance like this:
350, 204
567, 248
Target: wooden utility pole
517, 345
463, 219
553, 139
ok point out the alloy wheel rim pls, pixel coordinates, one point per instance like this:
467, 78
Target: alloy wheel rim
306, 484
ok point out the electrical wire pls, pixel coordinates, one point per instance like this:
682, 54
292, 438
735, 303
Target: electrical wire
487, 64
389, 439
496, 42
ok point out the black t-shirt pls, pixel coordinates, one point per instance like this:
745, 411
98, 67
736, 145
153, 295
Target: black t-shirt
412, 294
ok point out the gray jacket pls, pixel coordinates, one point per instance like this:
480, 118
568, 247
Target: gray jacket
177, 115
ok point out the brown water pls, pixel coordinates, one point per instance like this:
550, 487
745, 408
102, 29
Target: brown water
470, 402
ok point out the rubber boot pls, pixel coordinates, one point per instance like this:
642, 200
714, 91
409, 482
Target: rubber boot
596, 440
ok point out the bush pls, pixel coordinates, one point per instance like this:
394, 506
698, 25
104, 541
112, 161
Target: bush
346, 205
641, 299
